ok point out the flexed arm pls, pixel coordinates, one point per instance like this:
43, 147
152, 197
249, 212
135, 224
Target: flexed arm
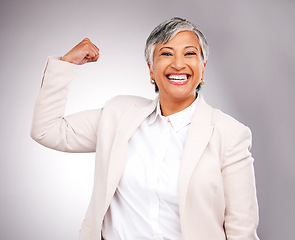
73, 133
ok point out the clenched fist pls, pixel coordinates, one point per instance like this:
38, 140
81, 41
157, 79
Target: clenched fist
83, 52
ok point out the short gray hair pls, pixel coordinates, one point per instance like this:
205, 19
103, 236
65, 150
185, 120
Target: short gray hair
165, 31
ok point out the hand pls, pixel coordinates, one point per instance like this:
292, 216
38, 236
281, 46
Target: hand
83, 52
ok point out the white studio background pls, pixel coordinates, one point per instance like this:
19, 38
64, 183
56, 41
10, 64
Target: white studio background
249, 75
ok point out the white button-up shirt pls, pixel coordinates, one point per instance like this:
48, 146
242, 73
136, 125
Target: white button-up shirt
145, 204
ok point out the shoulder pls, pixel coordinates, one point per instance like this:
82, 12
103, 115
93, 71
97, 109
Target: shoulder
230, 135
216, 117
221, 119
227, 126
230, 129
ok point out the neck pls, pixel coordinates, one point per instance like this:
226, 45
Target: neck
171, 106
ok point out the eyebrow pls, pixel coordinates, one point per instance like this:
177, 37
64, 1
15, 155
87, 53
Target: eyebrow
185, 48
165, 47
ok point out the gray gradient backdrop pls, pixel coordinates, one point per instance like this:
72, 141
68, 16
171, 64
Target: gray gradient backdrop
250, 75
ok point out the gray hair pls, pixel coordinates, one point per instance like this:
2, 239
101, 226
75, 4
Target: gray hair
165, 31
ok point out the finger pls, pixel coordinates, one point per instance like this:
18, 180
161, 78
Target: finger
91, 57
94, 48
86, 40
90, 53
90, 45
96, 57
88, 60
91, 49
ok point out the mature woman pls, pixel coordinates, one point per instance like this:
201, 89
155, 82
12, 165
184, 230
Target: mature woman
172, 168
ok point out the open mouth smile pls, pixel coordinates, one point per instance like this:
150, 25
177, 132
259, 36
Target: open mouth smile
178, 78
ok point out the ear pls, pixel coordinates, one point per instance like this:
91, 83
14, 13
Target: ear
203, 70
151, 71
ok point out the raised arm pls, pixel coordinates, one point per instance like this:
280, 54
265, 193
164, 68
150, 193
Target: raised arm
73, 133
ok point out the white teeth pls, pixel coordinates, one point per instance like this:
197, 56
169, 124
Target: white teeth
178, 77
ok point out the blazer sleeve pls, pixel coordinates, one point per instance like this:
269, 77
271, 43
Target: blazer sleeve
73, 133
241, 213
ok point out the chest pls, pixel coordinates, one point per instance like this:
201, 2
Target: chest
154, 160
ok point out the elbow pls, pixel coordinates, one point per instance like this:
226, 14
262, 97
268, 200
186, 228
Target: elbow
36, 135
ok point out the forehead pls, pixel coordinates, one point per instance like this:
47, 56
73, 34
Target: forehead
182, 39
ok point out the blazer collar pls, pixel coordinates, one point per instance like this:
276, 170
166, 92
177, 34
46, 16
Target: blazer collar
130, 121
197, 139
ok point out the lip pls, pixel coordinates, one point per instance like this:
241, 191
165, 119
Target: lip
178, 81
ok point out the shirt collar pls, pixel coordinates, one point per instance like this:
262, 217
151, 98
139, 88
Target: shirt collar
177, 120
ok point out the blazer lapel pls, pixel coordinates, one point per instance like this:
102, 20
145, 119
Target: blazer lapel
127, 126
198, 137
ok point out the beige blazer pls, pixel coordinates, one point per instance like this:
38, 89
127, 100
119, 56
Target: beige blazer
217, 196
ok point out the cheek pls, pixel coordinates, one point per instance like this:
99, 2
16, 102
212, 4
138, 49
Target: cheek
197, 68
161, 64
158, 70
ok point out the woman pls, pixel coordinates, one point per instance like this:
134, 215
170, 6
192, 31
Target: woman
172, 168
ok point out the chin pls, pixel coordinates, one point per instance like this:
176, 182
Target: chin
181, 95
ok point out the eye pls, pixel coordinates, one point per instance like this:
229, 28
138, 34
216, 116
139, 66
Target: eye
166, 54
190, 53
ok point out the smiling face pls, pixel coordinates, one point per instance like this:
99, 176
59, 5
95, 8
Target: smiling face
178, 69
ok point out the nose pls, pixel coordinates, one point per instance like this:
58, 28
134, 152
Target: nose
178, 62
